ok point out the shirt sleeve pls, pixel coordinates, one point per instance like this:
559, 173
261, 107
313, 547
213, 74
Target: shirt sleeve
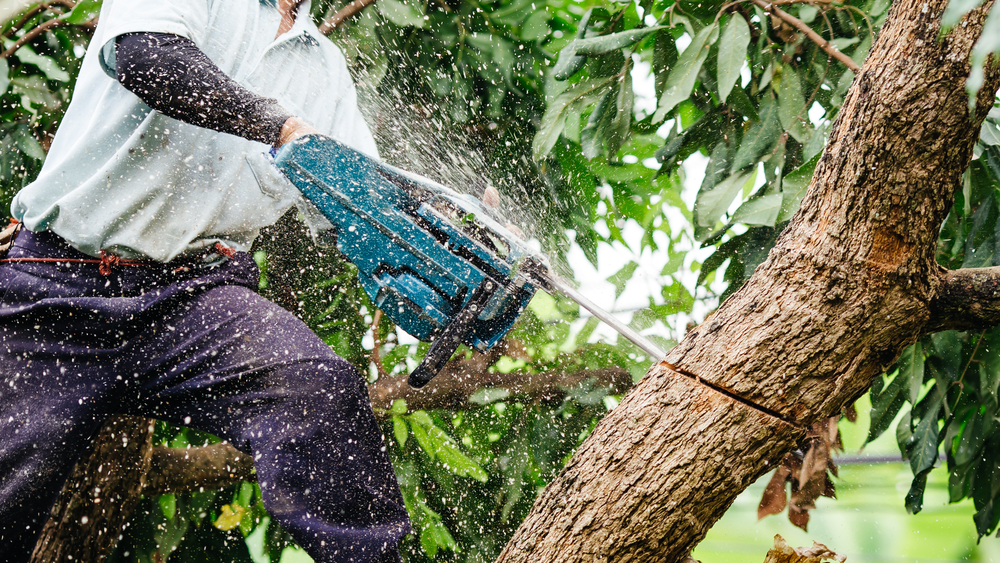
186, 18
171, 75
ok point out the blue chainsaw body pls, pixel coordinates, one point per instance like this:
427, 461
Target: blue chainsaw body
433, 260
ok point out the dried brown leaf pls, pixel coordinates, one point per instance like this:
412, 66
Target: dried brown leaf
851, 413
818, 553
773, 500
829, 490
798, 517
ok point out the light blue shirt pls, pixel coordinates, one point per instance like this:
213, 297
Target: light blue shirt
127, 179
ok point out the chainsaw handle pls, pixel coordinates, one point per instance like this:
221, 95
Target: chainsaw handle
452, 335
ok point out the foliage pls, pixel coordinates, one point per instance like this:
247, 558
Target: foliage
545, 99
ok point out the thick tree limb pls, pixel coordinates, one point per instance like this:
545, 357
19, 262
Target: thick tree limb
459, 379
175, 470
808, 31
966, 299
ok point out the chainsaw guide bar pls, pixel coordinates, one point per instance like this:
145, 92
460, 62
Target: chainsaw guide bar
440, 264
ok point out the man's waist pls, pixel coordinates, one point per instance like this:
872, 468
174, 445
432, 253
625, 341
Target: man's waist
47, 246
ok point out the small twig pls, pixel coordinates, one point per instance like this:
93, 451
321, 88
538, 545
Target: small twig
35, 32
969, 363
39, 9
344, 13
808, 31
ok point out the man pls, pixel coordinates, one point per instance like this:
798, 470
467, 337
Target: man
129, 291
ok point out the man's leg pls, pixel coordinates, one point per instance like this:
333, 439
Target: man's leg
231, 363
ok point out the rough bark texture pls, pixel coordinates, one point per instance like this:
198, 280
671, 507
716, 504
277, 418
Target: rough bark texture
99, 495
848, 285
458, 380
967, 299
618, 495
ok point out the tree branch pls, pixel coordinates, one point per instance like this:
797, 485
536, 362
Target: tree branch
35, 32
966, 299
808, 31
175, 470
346, 12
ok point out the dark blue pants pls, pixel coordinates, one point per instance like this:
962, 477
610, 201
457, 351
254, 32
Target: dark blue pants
196, 347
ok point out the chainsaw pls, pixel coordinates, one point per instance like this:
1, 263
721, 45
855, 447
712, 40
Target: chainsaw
440, 264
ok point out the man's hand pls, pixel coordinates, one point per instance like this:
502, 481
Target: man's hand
293, 129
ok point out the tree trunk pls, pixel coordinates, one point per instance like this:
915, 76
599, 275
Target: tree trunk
850, 283
99, 496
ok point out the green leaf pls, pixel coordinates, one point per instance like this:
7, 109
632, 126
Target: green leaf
886, 405
664, 58
536, 26
842, 43
989, 135
684, 74
759, 211
982, 244
33, 91
47, 65
973, 437
401, 14
582, 94
794, 186
710, 205
569, 63
398, 407
4, 76
760, 137
791, 105
739, 100
602, 44
676, 298
922, 447
915, 497
83, 12
592, 135
911, 367
458, 463
621, 277
168, 505
400, 430
424, 440
28, 144
960, 481
244, 496
732, 53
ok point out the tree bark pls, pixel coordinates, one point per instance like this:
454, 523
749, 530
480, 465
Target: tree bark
99, 496
849, 284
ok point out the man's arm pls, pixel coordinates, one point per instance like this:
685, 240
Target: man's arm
171, 75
